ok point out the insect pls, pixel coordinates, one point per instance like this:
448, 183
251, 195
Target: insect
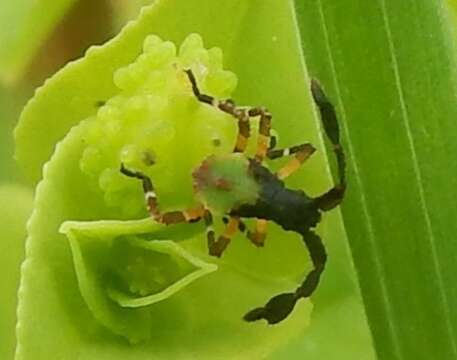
239, 186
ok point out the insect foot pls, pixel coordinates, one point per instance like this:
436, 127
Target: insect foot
258, 239
217, 248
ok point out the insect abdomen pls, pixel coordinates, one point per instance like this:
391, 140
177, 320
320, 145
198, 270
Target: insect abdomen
291, 209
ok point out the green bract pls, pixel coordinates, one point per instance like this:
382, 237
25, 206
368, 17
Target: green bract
12, 222
118, 261
154, 122
78, 288
131, 280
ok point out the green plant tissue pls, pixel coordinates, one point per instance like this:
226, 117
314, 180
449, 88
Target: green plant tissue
17, 202
116, 282
101, 279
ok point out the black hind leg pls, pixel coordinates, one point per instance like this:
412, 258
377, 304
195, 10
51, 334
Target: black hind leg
280, 306
334, 196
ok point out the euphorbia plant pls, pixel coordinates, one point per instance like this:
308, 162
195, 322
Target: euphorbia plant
101, 278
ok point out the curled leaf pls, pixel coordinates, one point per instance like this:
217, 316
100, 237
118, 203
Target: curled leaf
120, 261
78, 311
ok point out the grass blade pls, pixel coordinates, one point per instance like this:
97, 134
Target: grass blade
389, 66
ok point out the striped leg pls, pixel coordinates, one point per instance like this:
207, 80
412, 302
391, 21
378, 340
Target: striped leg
148, 188
257, 236
171, 217
180, 216
216, 248
301, 154
244, 131
223, 240
210, 236
263, 141
334, 196
243, 116
273, 141
228, 106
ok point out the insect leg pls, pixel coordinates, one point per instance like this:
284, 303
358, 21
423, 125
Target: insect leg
279, 153
273, 141
175, 217
228, 106
171, 217
334, 196
301, 154
244, 129
241, 224
263, 141
257, 236
216, 248
210, 236
280, 306
148, 188
207, 99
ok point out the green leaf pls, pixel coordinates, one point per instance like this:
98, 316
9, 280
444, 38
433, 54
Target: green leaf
26, 23
17, 205
390, 67
212, 306
51, 296
112, 262
124, 11
87, 82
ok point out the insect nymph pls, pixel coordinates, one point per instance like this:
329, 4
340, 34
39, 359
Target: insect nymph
239, 186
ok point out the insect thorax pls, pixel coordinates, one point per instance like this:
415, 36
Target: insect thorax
223, 182
291, 209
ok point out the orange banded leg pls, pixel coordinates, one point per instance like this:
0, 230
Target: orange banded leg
243, 116
241, 225
180, 216
301, 154
224, 239
228, 106
259, 234
171, 217
216, 248
263, 142
244, 132
210, 236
